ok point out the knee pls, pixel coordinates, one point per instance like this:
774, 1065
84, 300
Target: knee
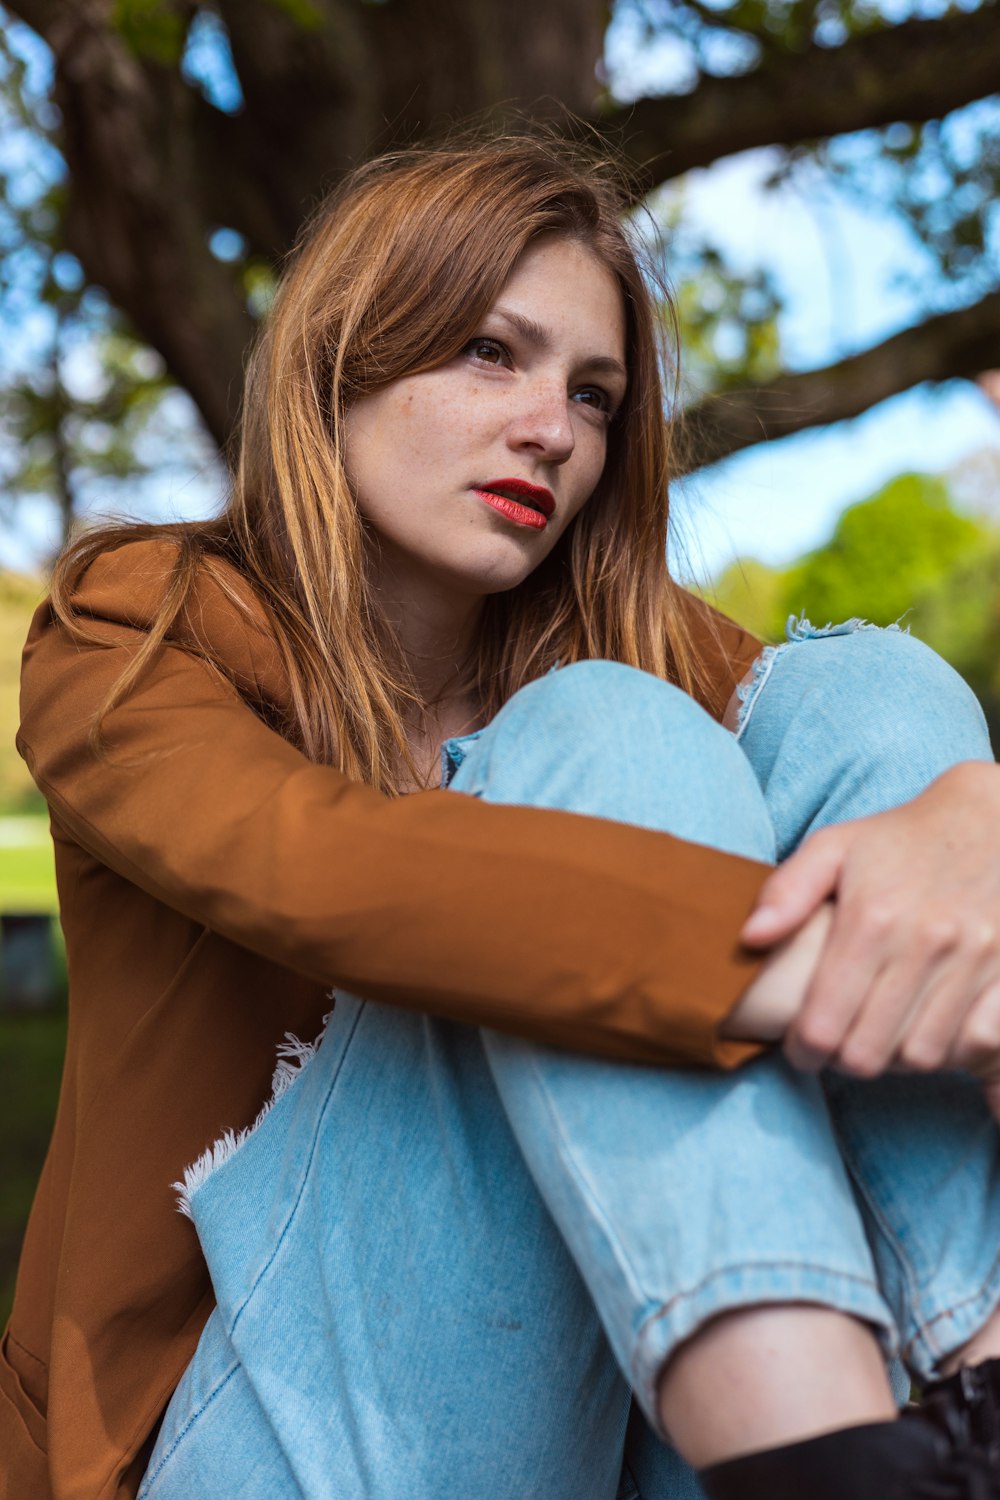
605, 704
601, 738
872, 698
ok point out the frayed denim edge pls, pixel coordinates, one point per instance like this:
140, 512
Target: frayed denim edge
797, 629
294, 1056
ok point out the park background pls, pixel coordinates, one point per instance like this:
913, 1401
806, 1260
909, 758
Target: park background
819, 176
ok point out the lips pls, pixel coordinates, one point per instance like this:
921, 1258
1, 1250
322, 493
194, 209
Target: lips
519, 490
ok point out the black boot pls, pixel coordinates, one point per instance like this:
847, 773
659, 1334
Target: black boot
967, 1405
914, 1458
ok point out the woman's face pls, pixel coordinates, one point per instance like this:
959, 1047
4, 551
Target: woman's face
471, 472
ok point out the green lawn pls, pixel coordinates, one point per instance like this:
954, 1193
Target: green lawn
31, 1053
27, 876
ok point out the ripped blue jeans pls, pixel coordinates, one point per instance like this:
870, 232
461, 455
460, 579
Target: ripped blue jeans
452, 1264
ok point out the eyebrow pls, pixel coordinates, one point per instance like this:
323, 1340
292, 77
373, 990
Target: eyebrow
534, 334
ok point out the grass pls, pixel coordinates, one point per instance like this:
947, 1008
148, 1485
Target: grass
27, 873
31, 1054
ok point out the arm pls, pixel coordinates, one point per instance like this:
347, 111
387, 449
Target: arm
210, 811
910, 974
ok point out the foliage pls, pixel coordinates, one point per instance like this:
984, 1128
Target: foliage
942, 179
18, 598
88, 410
941, 176
959, 615
884, 555
257, 107
749, 591
727, 321
904, 554
31, 1057
153, 29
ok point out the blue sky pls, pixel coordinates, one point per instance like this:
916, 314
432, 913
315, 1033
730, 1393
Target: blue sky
849, 277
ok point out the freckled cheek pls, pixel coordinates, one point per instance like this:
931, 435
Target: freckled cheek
592, 458
411, 435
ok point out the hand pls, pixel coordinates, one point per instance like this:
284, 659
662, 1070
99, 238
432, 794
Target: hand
911, 971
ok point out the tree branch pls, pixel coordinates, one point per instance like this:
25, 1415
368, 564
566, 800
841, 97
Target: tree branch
950, 345
153, 169
917, 71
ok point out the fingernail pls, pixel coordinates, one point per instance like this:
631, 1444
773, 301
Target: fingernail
763, 916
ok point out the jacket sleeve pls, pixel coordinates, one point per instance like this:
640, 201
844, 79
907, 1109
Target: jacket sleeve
630, 950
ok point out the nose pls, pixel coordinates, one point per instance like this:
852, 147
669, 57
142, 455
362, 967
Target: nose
541, 423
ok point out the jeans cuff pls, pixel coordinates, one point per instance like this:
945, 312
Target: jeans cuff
939, 1335
727, 1289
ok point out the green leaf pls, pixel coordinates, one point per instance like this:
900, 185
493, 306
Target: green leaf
153, 29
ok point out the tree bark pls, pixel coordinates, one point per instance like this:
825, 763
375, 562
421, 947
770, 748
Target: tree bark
949, 346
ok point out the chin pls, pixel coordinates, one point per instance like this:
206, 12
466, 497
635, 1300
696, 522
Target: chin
501, 580
493, 575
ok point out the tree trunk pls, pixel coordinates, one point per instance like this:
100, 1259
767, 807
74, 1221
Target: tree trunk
154, 169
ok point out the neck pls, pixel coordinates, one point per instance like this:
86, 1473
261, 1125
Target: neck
436, 630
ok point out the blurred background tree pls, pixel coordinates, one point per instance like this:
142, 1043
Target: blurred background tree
905, 555
176, 148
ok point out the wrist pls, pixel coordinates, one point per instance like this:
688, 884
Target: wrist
773, 999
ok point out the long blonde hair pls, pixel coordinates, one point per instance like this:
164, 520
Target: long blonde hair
391, 277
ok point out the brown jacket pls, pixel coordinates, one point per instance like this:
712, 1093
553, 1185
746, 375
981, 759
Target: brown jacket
214, 886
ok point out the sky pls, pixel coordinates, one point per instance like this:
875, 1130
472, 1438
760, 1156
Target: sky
849, 277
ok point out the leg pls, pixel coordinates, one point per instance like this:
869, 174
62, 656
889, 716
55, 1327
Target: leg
378, 1249
838, 726
393, 1298
604, 1142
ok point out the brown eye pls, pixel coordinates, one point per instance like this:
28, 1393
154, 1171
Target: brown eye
487, 351
593, 395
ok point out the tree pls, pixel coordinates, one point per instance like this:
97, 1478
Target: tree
87, 405
907, 555
885, 555
186, 182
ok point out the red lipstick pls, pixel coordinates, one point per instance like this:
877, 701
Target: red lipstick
525, 504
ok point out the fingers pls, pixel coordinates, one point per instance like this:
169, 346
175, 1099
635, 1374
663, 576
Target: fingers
842, 981
977, 1046
891, 988
954, 1025
919, 1002
796, 888
878, 1035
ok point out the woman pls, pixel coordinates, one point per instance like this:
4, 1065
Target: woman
446, 537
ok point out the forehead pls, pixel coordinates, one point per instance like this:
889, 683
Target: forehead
561, 285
